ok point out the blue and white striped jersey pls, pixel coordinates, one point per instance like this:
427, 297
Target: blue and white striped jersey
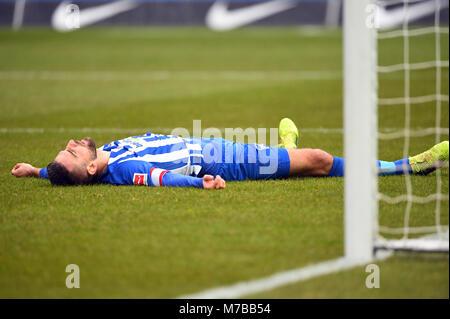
145, 159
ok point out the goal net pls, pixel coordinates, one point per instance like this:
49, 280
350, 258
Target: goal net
396, 58
414, 55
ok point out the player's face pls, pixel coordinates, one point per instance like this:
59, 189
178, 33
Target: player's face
77, 153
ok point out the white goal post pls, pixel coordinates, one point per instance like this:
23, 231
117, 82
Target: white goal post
360, 22
360, 128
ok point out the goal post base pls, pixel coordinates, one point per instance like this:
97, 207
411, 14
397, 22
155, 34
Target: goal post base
431, 243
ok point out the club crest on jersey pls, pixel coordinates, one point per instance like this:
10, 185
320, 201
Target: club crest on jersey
140, 179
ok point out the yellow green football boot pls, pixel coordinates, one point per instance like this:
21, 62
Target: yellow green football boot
428, 161
289, 137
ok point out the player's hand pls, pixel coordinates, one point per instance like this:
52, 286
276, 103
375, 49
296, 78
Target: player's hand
209, 182
24, 170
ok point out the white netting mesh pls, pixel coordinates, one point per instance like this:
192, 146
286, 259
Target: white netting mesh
410, 11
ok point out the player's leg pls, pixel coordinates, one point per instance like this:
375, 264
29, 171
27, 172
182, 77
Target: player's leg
309, 162
304, 162
315, 162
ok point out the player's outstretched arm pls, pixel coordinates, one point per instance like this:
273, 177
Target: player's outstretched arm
178, 180
143, 173
25, 170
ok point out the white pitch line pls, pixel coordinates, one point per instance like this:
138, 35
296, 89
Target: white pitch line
169, 75
84, 130
113, 130
280, 279
132, 130
167, 130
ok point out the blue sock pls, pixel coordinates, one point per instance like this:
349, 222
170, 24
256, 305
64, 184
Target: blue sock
394, 168
385, 168
338, 167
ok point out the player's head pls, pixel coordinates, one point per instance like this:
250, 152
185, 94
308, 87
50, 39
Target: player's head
75, 165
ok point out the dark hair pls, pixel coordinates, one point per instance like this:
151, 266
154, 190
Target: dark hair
60, 175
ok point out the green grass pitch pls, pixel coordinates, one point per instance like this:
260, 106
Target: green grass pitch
138, 242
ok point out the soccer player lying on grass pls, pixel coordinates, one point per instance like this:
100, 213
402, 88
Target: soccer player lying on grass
160, 160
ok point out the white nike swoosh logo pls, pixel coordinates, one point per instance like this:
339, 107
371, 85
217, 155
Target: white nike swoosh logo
90, 15
389, 19
219, 18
